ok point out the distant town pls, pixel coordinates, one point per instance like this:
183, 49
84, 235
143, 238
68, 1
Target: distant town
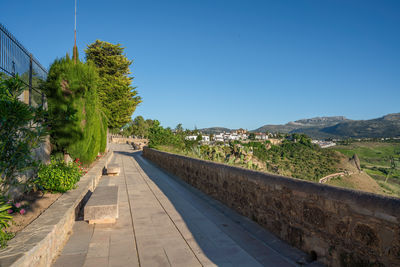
244, 135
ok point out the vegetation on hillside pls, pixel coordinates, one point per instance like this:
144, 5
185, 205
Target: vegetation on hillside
296, 157
381, 160
117, 96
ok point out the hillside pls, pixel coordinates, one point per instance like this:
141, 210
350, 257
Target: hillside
214, 130
341, 127
303, 124
331, 127
386, 126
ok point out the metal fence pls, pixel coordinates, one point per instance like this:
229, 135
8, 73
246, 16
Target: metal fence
16, 59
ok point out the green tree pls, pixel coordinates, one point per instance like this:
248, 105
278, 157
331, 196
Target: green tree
392, 168
77, 124
179, 128
117, 95
252, 136
139, 127
159, 136
199, 138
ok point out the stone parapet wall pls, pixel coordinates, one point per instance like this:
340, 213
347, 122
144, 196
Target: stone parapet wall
341, 227
137, 143
39, 243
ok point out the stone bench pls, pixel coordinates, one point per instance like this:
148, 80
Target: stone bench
113, 169
102, 206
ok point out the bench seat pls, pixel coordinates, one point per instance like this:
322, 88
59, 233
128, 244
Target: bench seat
102, 206
113, 169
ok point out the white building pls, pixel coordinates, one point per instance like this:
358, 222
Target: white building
261, 136
219, 137
206, 138
191, 137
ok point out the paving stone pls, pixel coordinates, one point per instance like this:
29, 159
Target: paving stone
79, 240
96, 262
75, 260
163, 223
98, 250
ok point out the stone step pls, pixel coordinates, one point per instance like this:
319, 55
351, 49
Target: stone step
102, 206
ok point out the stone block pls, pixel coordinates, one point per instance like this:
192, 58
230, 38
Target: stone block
102, 206
113, 169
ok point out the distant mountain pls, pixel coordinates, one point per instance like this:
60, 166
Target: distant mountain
214, 130
386, 126
331, 127
294, 126
319, 121
341, 127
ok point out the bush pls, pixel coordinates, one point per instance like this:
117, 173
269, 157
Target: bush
159, 136
21, 130
58, 176
5, 218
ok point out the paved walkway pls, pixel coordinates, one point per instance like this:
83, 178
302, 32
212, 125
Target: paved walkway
164, 222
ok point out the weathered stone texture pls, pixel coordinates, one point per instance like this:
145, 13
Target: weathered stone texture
41, 241
342, 227
102, 206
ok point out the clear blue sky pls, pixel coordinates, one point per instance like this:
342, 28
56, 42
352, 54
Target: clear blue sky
234, 63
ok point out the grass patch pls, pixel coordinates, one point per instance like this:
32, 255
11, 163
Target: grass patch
371, 153
341, 182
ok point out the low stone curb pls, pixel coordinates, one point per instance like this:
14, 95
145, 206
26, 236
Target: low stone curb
41, 241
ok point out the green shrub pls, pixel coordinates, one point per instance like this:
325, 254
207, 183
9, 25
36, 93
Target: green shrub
21, 130
77, 122
58, 176
5, 218
159, 136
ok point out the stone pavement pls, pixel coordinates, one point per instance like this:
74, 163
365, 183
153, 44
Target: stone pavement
164, 222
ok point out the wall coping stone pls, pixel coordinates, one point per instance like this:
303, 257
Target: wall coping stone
39, 243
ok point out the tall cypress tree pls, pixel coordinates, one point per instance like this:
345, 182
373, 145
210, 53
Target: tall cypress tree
117, 95
76, 121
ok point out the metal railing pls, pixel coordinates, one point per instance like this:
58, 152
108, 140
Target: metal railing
16, 59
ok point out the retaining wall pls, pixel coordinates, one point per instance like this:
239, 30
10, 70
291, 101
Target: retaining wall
340, 227
39, 243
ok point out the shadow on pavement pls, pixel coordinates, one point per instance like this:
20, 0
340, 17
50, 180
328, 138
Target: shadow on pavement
262, 246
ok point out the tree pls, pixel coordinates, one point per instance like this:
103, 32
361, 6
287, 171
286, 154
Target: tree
117, 95
159, 136
140, 127
392, 168
179, 128
252, 136
77, 124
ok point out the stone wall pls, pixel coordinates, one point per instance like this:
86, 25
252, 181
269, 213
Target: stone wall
340, 227
137, 143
